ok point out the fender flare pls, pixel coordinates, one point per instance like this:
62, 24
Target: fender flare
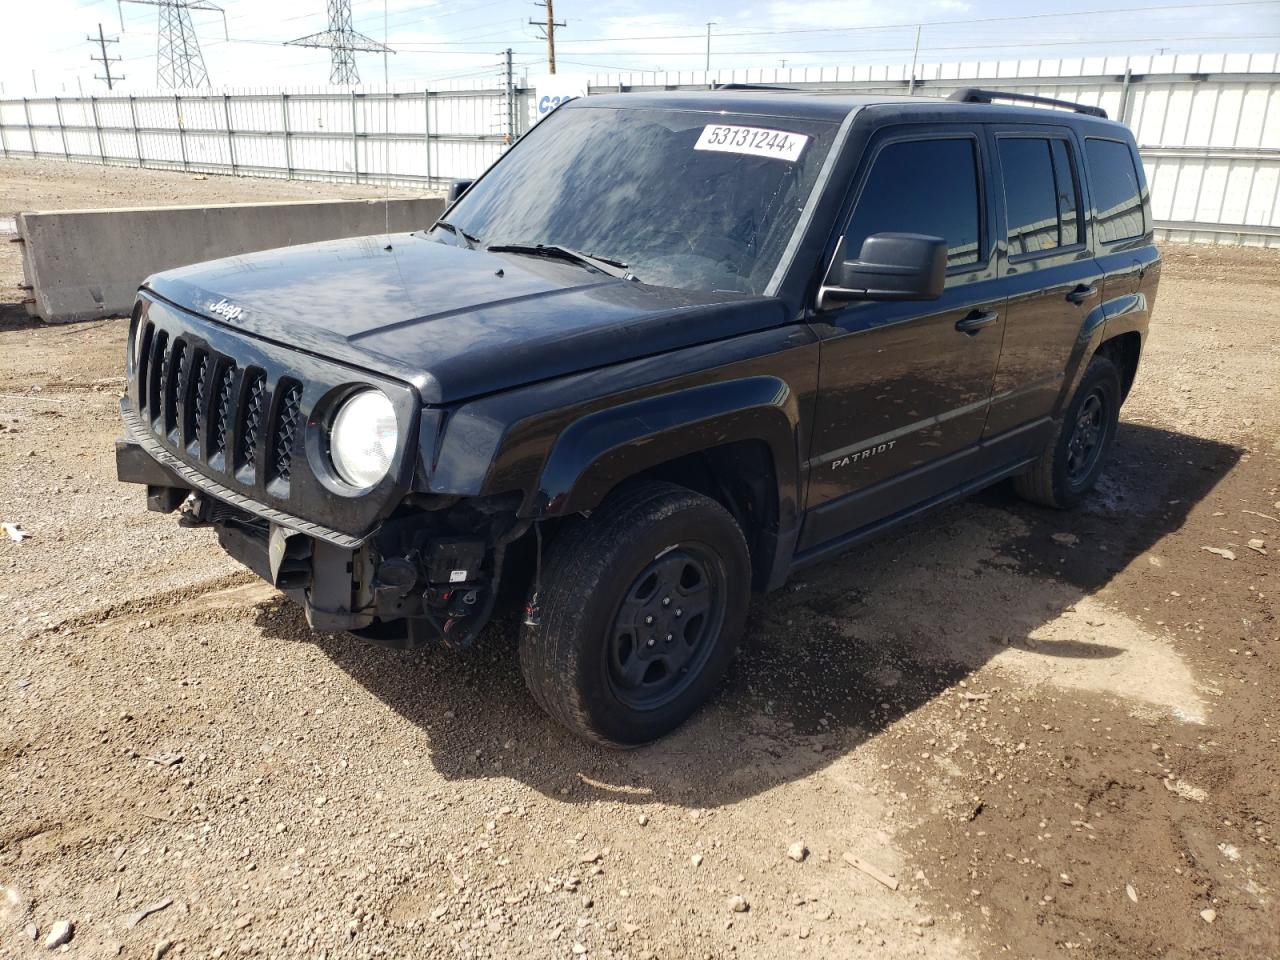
1110, 319
600, 450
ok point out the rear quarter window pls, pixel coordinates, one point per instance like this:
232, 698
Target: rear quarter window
1117, 189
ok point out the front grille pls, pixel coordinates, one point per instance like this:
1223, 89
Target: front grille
222, 415
174, 389
206, 406
251, 419
197, 404
242, 414
286, 427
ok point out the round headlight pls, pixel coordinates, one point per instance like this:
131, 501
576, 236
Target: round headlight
362, 440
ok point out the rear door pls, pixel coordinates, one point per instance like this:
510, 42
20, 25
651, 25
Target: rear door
904, 387
1122, 225
1054, 283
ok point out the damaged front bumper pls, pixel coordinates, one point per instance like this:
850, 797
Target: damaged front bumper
414, 580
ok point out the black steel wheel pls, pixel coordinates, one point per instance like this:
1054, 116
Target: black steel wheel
665, 626
1082, 439
642, 604
1084, 446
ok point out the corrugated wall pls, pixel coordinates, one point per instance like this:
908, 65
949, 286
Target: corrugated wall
369, 135
1208, 126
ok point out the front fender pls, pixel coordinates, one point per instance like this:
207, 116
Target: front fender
597, 452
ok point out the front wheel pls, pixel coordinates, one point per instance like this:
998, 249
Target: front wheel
642, 604
1073, 461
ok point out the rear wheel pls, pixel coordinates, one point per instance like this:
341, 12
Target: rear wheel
1070, 466
642, 604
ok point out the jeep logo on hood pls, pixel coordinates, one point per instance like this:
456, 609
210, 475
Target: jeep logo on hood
226, 309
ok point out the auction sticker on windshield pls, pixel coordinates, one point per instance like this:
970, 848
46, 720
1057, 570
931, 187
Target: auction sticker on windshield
752, 141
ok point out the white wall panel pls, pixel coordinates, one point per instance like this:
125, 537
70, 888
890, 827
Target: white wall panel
1208, 125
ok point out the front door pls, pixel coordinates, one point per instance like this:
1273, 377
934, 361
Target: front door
904, 387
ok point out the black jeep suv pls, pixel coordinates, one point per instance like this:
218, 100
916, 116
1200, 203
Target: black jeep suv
668, 350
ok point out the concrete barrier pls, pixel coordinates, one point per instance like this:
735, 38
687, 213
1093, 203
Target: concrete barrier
85, 264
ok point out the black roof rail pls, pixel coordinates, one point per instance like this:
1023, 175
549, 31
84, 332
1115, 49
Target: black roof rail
750, 86
977, 95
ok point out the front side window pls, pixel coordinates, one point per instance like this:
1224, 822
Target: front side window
1117, 191
688, 199
922, 186
1039, 194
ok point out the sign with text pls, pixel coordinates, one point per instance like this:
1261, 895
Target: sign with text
552, 89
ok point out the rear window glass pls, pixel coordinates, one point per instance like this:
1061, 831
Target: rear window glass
922, 186
1030, 195
1040, 194
1117, 193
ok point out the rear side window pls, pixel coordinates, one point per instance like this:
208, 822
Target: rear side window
922, 186
1040, 194
1117, 191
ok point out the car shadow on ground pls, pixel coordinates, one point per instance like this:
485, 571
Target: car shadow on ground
845, 650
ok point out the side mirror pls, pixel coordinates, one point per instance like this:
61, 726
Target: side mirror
890, 266
457, 188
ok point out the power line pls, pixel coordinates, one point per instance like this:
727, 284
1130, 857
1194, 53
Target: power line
548, 31
342, 41
1086, 41
106, 61
1013, 18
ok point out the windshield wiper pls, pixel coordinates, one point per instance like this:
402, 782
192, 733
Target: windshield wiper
467, 238
614, 268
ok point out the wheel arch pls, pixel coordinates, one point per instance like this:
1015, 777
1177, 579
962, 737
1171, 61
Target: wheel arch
734, 441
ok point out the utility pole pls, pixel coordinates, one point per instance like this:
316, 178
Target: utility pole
915, 56
342, 41
179, 60
710, 24
549, 32
106, 61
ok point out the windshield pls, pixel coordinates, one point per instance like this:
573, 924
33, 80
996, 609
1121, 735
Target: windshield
700, 201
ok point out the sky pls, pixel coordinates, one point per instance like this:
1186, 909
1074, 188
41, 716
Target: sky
445, 40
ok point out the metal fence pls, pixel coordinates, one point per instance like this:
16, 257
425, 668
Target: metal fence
1208, 126
422, 137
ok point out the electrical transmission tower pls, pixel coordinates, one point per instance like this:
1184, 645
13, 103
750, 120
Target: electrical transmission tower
548, 28
101, 40
342, 41
179, 61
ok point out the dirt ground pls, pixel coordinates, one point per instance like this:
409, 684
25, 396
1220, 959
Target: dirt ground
1056, 732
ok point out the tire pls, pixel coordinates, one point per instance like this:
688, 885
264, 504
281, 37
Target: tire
1082, 441
601, 578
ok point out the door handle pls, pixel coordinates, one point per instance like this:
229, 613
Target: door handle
975, 321
1083, 292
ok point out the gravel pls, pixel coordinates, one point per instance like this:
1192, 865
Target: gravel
341, 799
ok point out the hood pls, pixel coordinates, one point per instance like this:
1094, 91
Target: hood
453, 322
